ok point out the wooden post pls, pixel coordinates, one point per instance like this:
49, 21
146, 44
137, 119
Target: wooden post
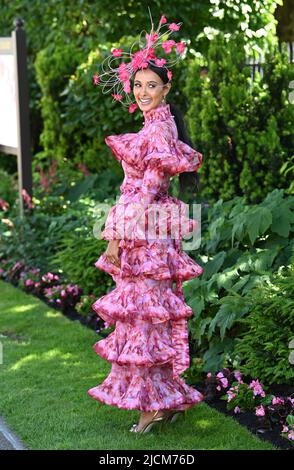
24, 156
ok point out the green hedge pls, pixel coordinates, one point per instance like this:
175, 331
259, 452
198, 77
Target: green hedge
245, 132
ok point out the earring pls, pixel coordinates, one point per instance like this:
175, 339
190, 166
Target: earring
163, 99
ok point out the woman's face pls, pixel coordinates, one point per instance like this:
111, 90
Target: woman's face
149, 89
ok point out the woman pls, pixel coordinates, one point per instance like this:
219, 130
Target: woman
149, 346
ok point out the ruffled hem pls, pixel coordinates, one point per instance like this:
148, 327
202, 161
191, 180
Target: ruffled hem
142, 299
141, 344
157, 260
150, 389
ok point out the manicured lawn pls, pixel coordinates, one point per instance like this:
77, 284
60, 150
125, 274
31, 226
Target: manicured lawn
48, 366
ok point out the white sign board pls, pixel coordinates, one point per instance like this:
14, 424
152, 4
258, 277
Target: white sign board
8, 115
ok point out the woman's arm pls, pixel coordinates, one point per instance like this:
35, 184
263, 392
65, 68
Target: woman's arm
111, 252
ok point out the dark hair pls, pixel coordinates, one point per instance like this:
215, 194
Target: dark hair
178, 116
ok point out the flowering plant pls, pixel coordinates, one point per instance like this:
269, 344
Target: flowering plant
288, 428
241, 396
4, 205
216, 383
14, 271
64, 296
32, 281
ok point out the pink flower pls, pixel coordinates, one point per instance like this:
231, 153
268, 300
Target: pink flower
27, 198
151, 38
117, 97
238, 376
44, 181
127, 86
163, 20
63, 293
180, 46
96, 79
133, 107
209, 375
37, 284
277, 401
174, 27
218, 388
224, 382
285, 429
231, 395
160, 62
237, 409
291, 435
123, 72
29, 282
257, 388
259, 411
220, 375
116, 52
168, 45
140, 58
169, 75
3, 205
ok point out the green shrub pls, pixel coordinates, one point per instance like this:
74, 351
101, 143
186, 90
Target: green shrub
244, 131
242, 247
57, 236
263, 348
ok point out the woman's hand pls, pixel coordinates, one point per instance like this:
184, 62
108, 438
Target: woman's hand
111, 252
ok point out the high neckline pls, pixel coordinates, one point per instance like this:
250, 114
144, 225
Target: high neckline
161, 113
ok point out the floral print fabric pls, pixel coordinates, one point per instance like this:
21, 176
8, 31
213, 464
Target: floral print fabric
149, 347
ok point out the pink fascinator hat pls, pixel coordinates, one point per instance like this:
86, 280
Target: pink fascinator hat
120, 66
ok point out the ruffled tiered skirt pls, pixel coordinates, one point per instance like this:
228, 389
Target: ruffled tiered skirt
149, 347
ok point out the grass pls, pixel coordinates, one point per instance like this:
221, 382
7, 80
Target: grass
48, 366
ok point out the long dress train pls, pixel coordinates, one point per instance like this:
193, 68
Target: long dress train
149, 347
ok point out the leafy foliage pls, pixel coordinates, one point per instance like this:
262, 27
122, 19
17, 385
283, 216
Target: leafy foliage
243, 129
264, 346
243, 246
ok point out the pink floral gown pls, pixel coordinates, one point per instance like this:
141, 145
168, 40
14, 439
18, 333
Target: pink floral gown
149, 347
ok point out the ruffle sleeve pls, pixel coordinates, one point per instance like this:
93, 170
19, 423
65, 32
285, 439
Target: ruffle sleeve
170, 155
127, 147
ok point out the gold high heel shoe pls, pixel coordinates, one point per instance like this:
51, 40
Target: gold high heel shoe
173, 415
148, 426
